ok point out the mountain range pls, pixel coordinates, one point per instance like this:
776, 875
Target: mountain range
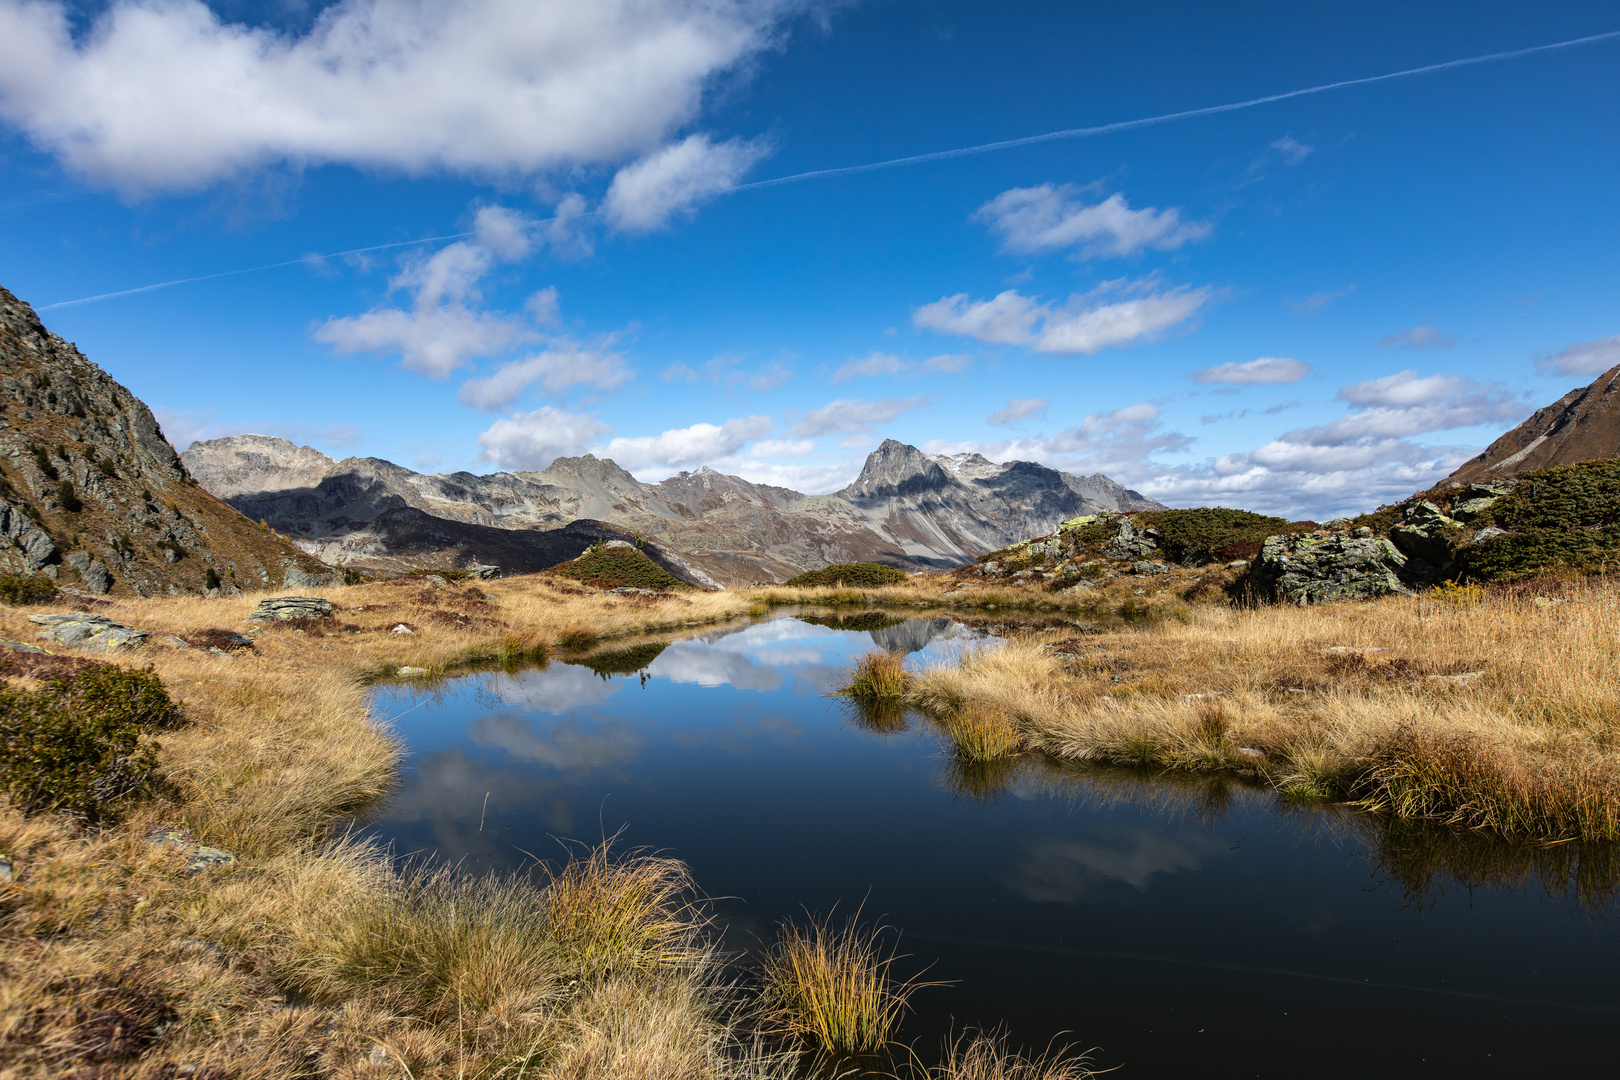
907, 508
1583, 425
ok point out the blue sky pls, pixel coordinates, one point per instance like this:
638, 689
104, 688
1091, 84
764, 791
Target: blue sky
1305, 306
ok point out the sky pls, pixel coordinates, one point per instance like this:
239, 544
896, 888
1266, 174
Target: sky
1302, 259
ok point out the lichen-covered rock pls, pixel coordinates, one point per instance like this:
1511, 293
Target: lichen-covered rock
283, 608
81, 630
1426, 533
1129, 544
92, 572
483, 572
1315, 568
295, 577
1147, 566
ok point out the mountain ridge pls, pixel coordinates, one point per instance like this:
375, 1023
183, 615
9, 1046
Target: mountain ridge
1583, 425
907, 508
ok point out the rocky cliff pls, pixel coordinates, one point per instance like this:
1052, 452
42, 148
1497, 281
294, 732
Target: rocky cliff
94, 497
1583, 425
907, 508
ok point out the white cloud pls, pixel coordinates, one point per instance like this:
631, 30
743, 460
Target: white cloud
1419, 337
561, 367
1087, 323
879, 363
851, 416
810, 479
948, 363
165, 95
684, 447
644, 196
1587, 358
726, 370
1020, 409
1050, 217
1119, 443
184, 428
531, 440
1321, 299
444, 330
1290, 150
1266, 371
767, 448
1406, 388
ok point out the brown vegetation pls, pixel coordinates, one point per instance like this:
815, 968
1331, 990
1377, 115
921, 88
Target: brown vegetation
1490, 709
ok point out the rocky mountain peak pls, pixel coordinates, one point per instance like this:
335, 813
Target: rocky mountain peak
92, 494
588, 467
896, 469
1583, 425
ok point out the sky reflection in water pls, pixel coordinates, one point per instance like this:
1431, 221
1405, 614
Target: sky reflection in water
1175, 922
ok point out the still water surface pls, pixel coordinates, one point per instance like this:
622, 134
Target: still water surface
1180, 926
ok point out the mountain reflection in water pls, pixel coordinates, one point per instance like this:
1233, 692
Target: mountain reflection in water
1172, 920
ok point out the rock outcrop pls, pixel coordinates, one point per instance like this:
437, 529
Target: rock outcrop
1321, 567
93, 496
907, 509
1583, 425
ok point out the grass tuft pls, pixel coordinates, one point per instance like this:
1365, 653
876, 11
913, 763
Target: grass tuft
984, 1055
983, 730
877, 676
577, 638
831, 987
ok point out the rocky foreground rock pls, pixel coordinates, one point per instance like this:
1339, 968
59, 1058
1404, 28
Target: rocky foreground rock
83, 630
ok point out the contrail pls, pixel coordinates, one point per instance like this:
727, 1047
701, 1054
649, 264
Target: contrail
945, 155
249, 270
1187, 114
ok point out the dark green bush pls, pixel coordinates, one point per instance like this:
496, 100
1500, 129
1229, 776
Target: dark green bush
862, 575
42, 461
68, 497
108, 469
74, 745
211, 578
1563, 518
1215, 533
17, 590
618, 567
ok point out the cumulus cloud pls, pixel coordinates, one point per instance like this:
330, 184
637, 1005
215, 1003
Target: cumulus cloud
1114, 314
695, 445
184, 427
1587, 358
948, 363
1364, 458
1419, 337
767, 448
848, 416
444, 329
561, 367
1266, 371
1020, 409
1120, 442
532, 440
1051, 217
170, 96
1321, 299
645, 195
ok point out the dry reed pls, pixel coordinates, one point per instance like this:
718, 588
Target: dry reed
877, 676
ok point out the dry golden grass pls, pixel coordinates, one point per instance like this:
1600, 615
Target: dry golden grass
1378, 703
877, 676
118, 962
984, 1056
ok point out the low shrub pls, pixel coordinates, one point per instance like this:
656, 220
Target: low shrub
1566, 517
863, 575
74, 745
17, 590
68, 497
606, 567
1215, 533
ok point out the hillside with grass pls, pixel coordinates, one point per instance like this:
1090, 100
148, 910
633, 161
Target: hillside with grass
617, 565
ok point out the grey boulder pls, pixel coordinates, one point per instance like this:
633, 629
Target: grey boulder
295, 577
94, 574
1315, 568
284, 608
81, 630
1130, 544
484, 572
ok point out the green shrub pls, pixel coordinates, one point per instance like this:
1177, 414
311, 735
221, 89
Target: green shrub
75, 744
68, 497
107, 468
618, 567
211, 578
17, 590
862, 575
1565, 517
1215, 533
43, 462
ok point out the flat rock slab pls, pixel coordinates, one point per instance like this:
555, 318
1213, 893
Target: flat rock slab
82, 630
628, 590
284, 608
202, 857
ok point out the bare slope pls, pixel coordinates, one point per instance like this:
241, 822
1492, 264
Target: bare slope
92, 495
907, 508
1583, 425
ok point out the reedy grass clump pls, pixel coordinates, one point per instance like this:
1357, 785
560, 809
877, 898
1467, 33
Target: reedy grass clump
877, 676
831, 987
983, 1055
983, 731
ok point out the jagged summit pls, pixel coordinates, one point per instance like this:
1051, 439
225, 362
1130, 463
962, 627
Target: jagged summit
907, 508
1583, 425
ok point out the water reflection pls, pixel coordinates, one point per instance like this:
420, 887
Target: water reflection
1059, 896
